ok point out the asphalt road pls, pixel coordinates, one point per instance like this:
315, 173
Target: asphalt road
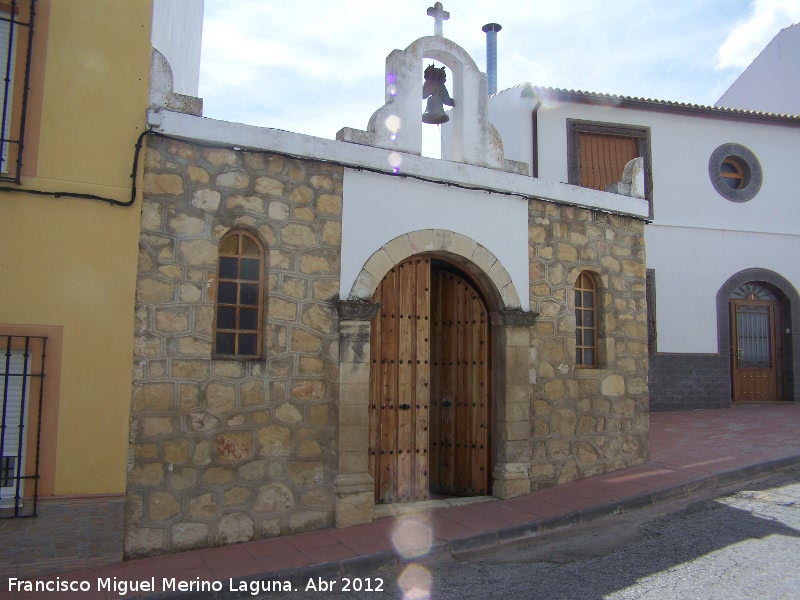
745, 544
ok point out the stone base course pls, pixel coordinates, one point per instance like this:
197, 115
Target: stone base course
689, 381
69, 533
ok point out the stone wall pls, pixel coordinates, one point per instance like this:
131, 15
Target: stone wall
224, 451
587, 421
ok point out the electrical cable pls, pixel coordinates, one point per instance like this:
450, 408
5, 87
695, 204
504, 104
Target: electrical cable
138, 148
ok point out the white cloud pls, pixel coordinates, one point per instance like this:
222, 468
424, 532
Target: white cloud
750, 37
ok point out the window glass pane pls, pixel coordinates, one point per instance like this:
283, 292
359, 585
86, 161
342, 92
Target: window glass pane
225, 343
578, 318
588, 356
230, 245
248, 319
228, 267
578, 356
727, 167
249, 247
579, 337
247, 344
588, 318
226, 292
226, 318
588, 299
578, 299
588, 337
249, 293
250, 269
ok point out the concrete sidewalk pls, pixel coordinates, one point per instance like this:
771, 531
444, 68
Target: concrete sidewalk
691, 452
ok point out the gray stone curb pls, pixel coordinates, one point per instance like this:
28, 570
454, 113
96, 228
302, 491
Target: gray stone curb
369, 565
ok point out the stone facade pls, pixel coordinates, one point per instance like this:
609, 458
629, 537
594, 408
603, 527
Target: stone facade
587, 421
224, 451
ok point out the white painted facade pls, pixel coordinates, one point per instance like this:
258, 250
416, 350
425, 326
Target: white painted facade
379, 209
693, 224
177, 33
770, 83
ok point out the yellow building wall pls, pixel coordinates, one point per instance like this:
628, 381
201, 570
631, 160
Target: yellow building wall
72, 262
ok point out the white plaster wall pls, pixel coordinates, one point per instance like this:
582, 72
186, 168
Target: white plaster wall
692, 264
178, 35
511, 112
770, 83
378, 208
698, 239
681, 146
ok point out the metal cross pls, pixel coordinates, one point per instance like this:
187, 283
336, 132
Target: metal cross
439, 14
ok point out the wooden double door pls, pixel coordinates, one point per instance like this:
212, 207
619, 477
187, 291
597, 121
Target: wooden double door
430, 401
757, 369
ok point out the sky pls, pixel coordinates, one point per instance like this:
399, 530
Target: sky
313, 66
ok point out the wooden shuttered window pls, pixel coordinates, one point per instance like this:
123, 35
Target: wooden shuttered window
603, 158
598, 152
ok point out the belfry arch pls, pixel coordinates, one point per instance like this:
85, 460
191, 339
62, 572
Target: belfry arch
427, 260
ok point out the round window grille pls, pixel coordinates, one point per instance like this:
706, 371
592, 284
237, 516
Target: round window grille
735, 172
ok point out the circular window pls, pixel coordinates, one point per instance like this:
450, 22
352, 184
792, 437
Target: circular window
735, 172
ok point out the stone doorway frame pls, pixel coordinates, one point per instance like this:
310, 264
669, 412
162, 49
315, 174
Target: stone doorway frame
512, 365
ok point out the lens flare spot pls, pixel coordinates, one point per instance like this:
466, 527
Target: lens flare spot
391, 78
415, 582
413, 537
392, 89
395, 160
392, 123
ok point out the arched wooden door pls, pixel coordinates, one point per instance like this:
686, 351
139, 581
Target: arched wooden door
429, 385
460, 426
757, 354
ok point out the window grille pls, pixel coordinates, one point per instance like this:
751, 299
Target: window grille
16, 45
22, 382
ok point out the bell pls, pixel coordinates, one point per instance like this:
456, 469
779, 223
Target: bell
434, 112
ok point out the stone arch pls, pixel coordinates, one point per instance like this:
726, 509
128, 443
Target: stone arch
511, 331
472, 134
791, 299
475, 258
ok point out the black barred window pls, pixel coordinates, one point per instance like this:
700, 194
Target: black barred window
239, 313
21, 402
16, 43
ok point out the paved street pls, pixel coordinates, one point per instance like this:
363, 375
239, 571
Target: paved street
745, 544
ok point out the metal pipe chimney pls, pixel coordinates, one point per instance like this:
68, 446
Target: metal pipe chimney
491, 30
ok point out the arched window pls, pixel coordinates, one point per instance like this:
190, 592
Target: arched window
585, 321
239, 313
